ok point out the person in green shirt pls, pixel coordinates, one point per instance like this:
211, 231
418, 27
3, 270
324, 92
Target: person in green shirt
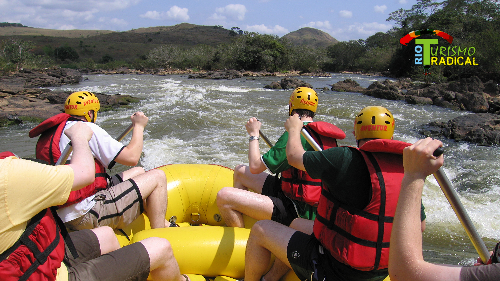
263, 196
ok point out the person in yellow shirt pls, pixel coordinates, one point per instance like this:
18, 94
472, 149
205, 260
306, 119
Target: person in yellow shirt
34, 244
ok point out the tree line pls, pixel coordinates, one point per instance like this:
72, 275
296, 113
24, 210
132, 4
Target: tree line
472, 23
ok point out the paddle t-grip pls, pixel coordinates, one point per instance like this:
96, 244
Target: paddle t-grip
438, 152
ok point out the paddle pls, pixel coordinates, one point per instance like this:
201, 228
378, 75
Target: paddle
68, 149
459, 209
268, 142
452, 197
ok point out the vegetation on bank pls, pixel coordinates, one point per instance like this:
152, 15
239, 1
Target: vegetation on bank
474, 24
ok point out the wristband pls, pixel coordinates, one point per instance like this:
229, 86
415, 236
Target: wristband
251, 138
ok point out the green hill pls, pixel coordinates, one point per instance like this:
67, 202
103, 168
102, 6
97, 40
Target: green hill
137, 43
310, 37
127, 45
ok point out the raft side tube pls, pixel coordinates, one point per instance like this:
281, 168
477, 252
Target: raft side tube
206, 250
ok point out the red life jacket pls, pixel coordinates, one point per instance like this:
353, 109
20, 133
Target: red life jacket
47, 149
297, 184
360, 238
38, 253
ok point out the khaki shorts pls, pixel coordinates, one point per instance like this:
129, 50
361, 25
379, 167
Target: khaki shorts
116, 206
127, 263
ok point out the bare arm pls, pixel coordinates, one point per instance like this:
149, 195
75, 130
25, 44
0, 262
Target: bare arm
294, 149
131, 154
254, 158
82, 161
405, 259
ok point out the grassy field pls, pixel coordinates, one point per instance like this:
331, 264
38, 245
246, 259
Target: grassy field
126, 46
30, 31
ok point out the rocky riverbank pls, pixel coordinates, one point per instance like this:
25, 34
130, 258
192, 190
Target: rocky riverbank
471, 94
23, 99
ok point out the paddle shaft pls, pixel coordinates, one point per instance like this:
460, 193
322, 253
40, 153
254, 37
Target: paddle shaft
452, 197
462, 215
310, 140
68, 149
313, 144
268, 142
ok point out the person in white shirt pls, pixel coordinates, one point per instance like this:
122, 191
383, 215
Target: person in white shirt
110, 201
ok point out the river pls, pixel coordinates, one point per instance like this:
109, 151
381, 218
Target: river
202, 121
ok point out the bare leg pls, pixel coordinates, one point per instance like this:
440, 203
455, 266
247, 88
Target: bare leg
107, 239
133, 172
163, 265
244, 179
153, 188
234, 202
279, 268
266, 237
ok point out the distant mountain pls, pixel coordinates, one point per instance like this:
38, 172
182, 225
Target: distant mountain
126, 45
310, 36
180, 34
136, 43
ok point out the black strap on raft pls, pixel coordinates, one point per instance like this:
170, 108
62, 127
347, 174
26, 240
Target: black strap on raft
40, 257
123, 232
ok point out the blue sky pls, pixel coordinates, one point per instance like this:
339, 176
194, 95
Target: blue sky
344, 20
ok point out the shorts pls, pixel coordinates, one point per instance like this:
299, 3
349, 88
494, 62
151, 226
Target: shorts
116, 206
310, 261
127, 263
284, 209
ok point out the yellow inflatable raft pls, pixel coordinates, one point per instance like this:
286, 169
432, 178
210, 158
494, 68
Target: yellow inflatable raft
203, 247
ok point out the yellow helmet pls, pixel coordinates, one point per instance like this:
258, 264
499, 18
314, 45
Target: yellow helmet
80, 103
303, 98
374, 122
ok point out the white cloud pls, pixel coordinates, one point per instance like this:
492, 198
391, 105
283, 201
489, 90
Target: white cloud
319, 25
118, 22
358, 30
175, 13
380, 9
62, 14
277, 30
403, 1
178, 14
154, 15
345, 14
231, 11
368, 28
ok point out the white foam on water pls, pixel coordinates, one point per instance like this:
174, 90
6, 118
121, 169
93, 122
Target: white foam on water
203, 121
